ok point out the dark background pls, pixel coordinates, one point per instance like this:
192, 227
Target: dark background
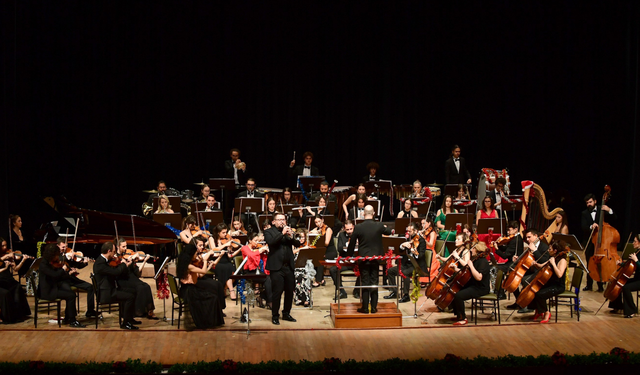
101, 100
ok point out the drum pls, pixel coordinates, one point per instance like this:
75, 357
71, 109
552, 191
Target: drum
186, 196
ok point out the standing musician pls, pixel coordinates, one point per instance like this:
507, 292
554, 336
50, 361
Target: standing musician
368, 235
540, 254
163, 205
498, 193
415, 247
373, 169
343, 241
144, 305
106, 275
54, 284
324, 192
73, 280
326, 240
212, 205
303, 170
625, 300
20, 243
280, 264
479, 283
407, 210
554, 286
455, 168
589, 221
235, 168
225, 267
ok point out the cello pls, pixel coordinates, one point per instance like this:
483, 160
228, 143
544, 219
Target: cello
458, 282
446, 271
621, 276
526, 260
542, 277
605, 257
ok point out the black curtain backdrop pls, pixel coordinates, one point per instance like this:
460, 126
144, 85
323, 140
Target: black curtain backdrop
101, 100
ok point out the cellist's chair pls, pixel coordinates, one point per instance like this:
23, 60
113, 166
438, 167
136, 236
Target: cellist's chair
572, 298
491, 297
39, 301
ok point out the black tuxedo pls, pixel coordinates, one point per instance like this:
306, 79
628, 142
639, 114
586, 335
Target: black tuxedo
452, 176
256, 194
229, 171
353, 213
369, 237
493, 196
369, 178
514, 247
298, 170
54, 283
541, 255
317, 195
280, 263
106, 276
586, 221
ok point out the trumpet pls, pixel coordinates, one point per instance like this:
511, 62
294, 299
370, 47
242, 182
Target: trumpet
241, 165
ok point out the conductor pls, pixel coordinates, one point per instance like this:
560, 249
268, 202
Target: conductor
280, 263
369, 237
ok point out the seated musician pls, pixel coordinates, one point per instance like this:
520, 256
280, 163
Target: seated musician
106, 275
73, 280
251, 192
428, 233
462, 193
53, 284
287, 197
204, 194
407, 210
161, 188
417, 190
191, 230
373, 169
130, 279
479, 283
626, 300
325, 239
412, 250
271, 207
361, 190
343, 241
556, 283
498, 193
322, 209
357, 212
237, 227
224, 269
212, 205
562, 223
512, 249
487, 211
235, 168
163, 205
324, 192
203, 298
14, 306
441, 219
540, 254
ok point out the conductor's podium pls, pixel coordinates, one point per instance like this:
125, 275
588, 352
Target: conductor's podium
388, 315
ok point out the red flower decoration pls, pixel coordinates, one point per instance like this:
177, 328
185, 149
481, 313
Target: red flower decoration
559, 359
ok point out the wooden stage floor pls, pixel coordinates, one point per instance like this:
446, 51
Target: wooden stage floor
313, 337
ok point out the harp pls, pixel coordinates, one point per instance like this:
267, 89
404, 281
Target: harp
535, 211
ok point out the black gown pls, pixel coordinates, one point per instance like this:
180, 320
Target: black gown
13, 299
203, 304
144, 297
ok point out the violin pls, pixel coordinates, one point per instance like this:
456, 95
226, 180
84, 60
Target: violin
116, 260
58, 262
198, 261
229, 239
541, 278
136, 255
76, 256
605, 257
502, 240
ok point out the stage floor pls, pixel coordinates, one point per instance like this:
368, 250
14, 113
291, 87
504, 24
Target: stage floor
313, 337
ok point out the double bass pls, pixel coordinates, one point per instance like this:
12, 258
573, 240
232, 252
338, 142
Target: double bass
605, 257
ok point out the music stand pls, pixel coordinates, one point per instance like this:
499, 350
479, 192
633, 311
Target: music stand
464, 208
393, 243
174, 202
451, 189
264, 217
222, 184
485, 224
212, 218
454, 219
158, 274
310, 183
628, 249
201, 206
244, 205
421, 207
384, 185
174, 219
289, 208
402, 223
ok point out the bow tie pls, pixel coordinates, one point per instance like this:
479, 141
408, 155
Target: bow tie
307, 167
595, 210
456, 159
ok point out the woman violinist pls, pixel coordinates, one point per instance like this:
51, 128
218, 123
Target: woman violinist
325, 240
407, 211
554, 286
237, 227
13, 298
429, 235
191, 230
204, 301
479, 283
441, 218
224, 269
163, 205
144, 305
625, 300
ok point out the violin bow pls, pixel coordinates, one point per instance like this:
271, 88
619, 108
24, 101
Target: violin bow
443, 243
133, 228
75, 233
10, 236
115, 225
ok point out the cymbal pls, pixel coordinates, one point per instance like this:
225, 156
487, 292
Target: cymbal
150, 191
199, 183
435, 185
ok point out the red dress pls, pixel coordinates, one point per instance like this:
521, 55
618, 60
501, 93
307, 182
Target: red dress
488, 238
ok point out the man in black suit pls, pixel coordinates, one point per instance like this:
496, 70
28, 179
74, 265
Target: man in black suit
589, 222
541, 255
54, 283
497, 193
373, 168
280, 264
343, 240
235, 168
368, 235
73, 280
302, 170
161, 188
324, 192
455, 168
252, 219
407, 264
106, 279
513, 249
